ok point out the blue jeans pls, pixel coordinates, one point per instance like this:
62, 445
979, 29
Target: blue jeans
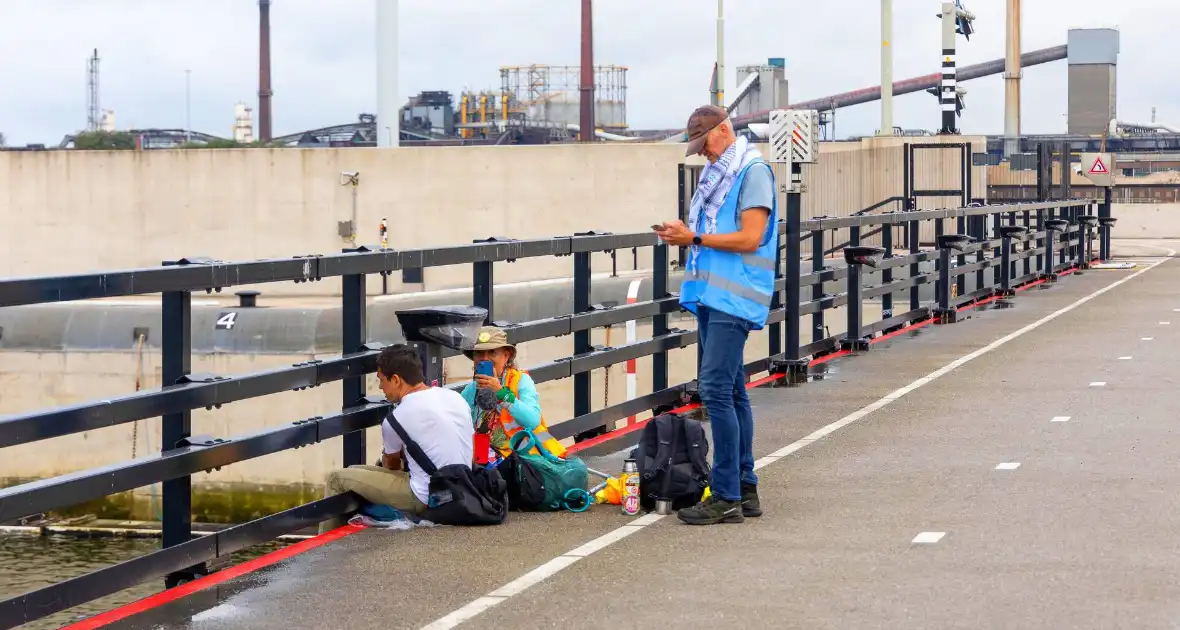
722, 386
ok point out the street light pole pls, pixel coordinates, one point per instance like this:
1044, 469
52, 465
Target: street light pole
721, 53
886, 68
188, 124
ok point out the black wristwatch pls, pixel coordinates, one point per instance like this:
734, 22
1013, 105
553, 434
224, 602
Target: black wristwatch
696, 239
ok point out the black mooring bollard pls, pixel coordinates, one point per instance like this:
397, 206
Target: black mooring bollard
1086, 223
946, 313
1008, 233
1052, 228
1104, 226
857, 257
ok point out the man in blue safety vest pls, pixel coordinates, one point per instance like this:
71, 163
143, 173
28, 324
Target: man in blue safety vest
728, 282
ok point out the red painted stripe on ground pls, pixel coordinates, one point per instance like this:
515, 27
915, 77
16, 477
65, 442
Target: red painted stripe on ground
213, 579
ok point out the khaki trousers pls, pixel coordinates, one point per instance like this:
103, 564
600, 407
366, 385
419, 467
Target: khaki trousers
375, 485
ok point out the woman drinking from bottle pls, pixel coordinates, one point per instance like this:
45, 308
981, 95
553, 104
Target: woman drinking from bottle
503, 398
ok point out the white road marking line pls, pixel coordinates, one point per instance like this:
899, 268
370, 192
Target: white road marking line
1165, 323
1060, 419
1008, 466
1098, 384
1147, 338
555, 565
1124, 358
1176, 310
928, 538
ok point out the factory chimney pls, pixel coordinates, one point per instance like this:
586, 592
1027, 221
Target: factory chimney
388, 107
1012, 74
586, 120
264, 91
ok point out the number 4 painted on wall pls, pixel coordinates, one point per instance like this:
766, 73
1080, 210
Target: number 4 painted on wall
226, 320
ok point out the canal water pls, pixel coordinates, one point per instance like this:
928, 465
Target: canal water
31, 562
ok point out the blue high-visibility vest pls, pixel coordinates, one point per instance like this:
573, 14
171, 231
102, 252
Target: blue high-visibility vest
740, 285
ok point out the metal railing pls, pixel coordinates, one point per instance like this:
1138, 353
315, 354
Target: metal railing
184, 556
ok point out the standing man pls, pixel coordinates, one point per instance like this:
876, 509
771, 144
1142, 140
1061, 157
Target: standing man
728, 282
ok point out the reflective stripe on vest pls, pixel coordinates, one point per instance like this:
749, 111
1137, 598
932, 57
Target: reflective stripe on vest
740, 285
512, 382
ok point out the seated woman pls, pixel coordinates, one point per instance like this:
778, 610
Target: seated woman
506, 403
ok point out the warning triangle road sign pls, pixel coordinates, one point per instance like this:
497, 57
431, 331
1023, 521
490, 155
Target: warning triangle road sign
1099, 168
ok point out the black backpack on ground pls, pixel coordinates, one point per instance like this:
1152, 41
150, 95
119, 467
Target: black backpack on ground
459, 494
673, 461
526, 486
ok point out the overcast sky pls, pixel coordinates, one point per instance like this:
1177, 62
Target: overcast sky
323, 56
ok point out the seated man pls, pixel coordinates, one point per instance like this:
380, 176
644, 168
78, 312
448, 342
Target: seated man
506, 403
436, 418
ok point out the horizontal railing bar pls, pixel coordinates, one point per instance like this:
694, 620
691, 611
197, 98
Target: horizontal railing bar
920, 313
189, 277
826, 302
972, 296
88, 416
829, 274
70, 489
823, 345
926, 215
108, 580
607, 242
604, 416
897, 285
902, 260
975, 266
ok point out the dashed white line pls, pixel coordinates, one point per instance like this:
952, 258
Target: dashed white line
548, 569
928, 538
1060, 419
1165, 323
1147, 338
1124, 358
1098, 384
1008, 466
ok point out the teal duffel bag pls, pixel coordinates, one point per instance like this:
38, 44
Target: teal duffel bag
564, 479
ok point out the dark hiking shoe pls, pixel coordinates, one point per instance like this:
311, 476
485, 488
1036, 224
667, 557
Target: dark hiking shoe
751, 507
712, 511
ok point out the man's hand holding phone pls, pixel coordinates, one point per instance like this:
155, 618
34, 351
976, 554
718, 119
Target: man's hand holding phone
675, 233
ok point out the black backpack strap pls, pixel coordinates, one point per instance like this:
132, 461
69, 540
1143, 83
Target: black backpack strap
692, 444
412, 447
668, 448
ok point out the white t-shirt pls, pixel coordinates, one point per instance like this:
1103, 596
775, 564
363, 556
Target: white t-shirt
439, 420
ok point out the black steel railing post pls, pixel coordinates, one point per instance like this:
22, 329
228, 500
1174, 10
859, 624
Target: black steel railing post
659, 322
482, 281
961, 259
944, 280
981, 255
793, 271
1052, 228
1028, 244
855, 315
1086, 223
1006, 265
353, 335
915, 267
946, 313
581, 337
817, 289
775, 330
857, 257
1007, 268
175, 364
1104, 226
1040, 244
887, 274
1104, 232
